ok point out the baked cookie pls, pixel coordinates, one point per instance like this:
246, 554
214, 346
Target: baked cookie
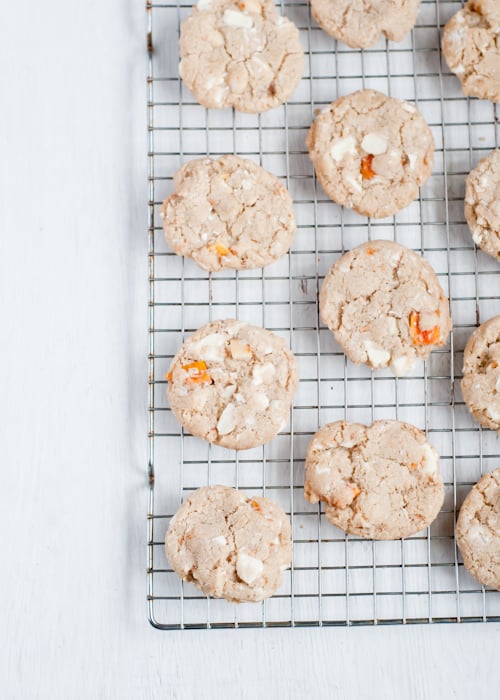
385, 306
481, 380
478, 530
371, 152
228, 545
228, 212
471, 47
240, 54
482, 203
380, 481
359, 23
232, 384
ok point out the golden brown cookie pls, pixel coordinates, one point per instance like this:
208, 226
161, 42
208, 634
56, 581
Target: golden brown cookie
240, 54
232, 384
478, 530
380, 481
230, 546
385, 306
371, 152
228, 213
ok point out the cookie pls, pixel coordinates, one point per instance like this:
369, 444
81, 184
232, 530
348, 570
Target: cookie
385, 306
232, 384
228, 545
482, 204
471, 47
359, 23
371, 152
478, 530
228, 213
240, 54
380, 481
481, 380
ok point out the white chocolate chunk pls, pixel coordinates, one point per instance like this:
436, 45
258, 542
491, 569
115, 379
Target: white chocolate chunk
211, 347
253, 6
401, 365
248, 568
219, 540
322, 470
342, 148
477, 237
234, 18
481, 533
226, 421
263, 374
377, 355
497, 385
375, 144
412, 158
493, 414
355, 184
228, 391
431, 459
203, 4
239, 350
261, 401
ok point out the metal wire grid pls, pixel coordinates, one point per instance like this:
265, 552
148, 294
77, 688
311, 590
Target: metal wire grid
335, 579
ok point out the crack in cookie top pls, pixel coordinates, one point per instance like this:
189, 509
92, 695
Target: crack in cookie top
481, 374
240, 54
478, 530
232, 384
230, 546
371, 152
482, 204
359, 23
380, 481
228, 213
385, 306
471, 46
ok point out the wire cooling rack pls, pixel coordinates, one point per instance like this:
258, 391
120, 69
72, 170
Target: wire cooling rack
335, 579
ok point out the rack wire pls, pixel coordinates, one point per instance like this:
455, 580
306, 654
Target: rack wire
334, 579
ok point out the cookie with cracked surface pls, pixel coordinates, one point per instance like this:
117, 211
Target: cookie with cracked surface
232, 384
482, 203
385, 306
230, 546
359, 23
478, 530
240, 54
228, 213
371, 152
481, 374
471, 47
380, 481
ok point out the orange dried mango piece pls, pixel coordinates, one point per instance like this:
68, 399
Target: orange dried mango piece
420, 337
356, 491
255, 505
366, 167
197, 372
169, 376
221, 249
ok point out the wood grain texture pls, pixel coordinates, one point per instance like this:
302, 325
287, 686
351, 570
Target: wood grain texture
73, 419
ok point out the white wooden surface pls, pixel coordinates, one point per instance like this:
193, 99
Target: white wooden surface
73, 395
